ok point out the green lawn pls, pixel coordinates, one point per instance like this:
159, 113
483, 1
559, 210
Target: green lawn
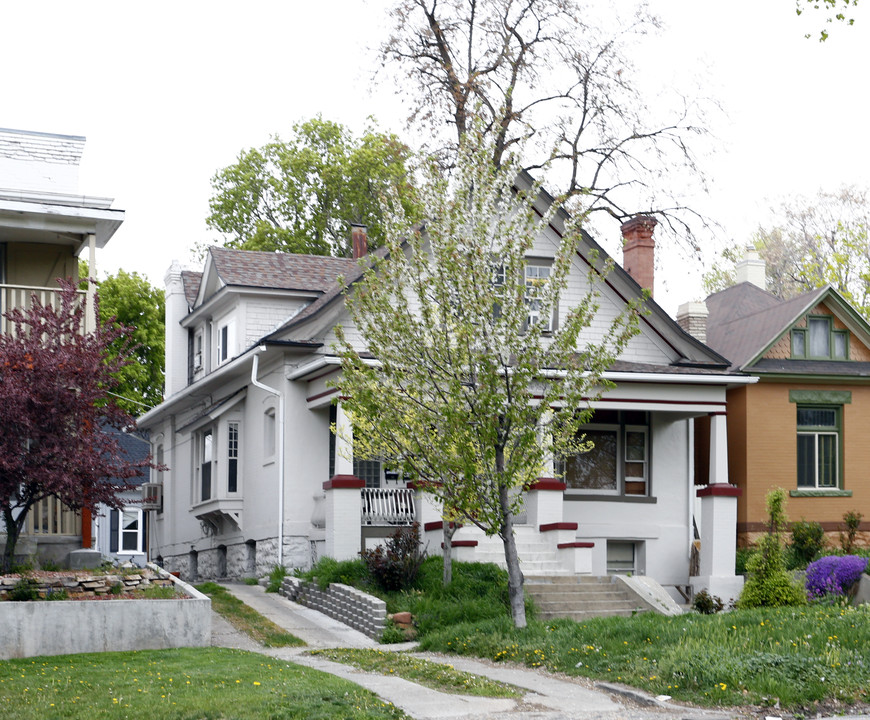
185, 684
246, 619
797, 656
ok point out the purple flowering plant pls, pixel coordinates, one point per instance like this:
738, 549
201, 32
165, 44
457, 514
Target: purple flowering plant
834, 576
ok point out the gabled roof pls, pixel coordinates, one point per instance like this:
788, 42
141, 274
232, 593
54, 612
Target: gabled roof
190, 281
224, 267
744, 321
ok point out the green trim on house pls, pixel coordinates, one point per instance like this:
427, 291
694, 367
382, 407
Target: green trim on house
820, 493
820, 397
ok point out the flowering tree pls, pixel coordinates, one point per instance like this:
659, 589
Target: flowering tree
55, 385
464, 391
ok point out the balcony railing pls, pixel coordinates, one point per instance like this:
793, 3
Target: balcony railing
388, 506
20, 296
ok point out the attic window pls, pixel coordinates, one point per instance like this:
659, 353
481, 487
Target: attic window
819, 340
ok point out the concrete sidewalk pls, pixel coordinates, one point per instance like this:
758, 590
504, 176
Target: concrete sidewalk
549, 697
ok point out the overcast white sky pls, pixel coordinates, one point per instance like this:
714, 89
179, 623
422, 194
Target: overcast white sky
167, 93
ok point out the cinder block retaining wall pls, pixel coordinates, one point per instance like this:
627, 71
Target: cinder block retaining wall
65, 627
346, 604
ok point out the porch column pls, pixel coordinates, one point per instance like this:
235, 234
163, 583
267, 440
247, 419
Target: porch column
343, 503
544, 496
718, 522
90, 305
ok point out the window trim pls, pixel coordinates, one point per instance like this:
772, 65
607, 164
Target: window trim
232, 455
531, 284
817, 431
805, 335
622, 427
140, 528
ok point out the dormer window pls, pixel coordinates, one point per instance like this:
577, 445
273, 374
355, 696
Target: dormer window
819, 340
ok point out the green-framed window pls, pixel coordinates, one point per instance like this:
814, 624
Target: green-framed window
819, 447
819, 340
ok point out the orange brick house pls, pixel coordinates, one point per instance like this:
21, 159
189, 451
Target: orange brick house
804, 425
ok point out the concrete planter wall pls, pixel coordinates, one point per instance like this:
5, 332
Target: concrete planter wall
65, 627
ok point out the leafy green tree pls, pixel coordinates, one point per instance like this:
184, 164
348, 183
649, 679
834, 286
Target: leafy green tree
464, 390
300, 195
833, 10
815, 242
134, 303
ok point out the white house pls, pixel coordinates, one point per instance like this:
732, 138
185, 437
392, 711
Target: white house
256, 477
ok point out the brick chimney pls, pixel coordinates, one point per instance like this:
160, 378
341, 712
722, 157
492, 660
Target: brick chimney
692, 317
360, 240
638, 250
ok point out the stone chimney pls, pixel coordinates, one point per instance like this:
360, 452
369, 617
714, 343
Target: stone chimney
752, 269
638, 250
692, 317
359, 240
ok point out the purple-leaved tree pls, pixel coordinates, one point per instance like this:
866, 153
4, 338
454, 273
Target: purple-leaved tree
55, 395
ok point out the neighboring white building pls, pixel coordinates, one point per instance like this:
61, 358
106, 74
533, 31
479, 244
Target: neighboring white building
256, 477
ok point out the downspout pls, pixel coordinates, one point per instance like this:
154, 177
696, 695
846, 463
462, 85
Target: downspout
690, 462
280, 396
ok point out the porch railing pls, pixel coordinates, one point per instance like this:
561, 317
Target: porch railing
388, 506
50, 516
19, 296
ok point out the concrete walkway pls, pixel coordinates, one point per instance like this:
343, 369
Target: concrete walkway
548, 697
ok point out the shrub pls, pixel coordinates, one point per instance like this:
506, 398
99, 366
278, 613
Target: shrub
852, 521
834, 576
807, 541
707, 604
742, 558
276, 577
25, 589
395, 566
769, 585
328, 570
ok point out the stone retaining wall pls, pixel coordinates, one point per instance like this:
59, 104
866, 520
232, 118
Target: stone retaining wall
87, 584
346, 604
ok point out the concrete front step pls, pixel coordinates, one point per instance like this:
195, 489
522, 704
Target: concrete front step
580, 597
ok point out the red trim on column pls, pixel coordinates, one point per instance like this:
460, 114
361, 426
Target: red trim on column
547, 527
87, 538
340, 482
438, 525
578, 544
548, 484
720, 490
462, 543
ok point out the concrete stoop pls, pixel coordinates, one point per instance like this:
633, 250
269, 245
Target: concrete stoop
580, 597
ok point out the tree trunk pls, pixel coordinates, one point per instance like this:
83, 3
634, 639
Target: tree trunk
512, 558
13, 530
448, 529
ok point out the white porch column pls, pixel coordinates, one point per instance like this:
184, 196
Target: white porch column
718, 450
90, 308
718, 522
343, 502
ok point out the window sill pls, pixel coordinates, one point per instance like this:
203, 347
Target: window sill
820, 493
611, 498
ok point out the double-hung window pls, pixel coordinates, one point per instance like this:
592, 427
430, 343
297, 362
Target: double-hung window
536, 276
617, 462
232, 457
818, 447
127, 531
205, 453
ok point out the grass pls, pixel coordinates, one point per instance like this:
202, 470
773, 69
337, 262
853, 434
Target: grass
213, 683
437, 676
796, 656
246, 619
